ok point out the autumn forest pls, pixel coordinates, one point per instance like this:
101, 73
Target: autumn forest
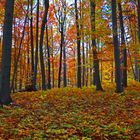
70, 69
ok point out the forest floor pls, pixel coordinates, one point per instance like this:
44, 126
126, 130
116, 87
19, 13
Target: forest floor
73, 114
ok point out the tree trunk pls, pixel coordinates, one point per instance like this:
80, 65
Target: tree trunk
60, 58
5, 97
94, 51
32, 45
87, 68
82, 40
46, 2
83, 55
36, 52
119, 87
15, 53
78, 47
20, 82
52, 57
65, 66
124, 80
61, 17
49, 63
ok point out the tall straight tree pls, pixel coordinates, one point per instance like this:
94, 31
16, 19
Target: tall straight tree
52, 56
5, 97
119, 87
64, 49
46, 4
82, 2
61, 18
36, 51
123, 45
32, 42
64, 67
78, 47
94, 50
49, 62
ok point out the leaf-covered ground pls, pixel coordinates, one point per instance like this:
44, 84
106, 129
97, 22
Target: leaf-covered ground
73, 114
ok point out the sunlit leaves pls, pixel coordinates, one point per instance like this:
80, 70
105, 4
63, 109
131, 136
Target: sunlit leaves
72, 113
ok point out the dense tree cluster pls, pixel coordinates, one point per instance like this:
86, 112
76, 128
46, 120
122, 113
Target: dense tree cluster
60, 43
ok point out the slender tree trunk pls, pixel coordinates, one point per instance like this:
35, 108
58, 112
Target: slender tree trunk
49, 63
101, 64
52, 58
65, 67
32, 45
78, 47
91, 72
123, 45
119, 87
16, 81
87, 68
5, 97
61, 17
28, 82
83, 55
95, 58
60, 58
21, 76
36, 52
46, 2
82, 40
15, 53
53, 72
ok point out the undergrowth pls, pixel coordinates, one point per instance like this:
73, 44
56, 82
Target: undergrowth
73, 114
